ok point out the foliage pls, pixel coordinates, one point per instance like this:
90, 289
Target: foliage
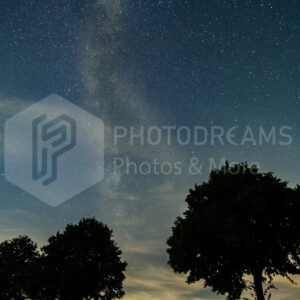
16, 258
83, 262
240, 222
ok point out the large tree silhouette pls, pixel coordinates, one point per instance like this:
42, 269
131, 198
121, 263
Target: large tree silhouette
241, 222
83, 262
16, 259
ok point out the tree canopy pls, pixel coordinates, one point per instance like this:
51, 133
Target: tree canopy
82, 262
16, 258
241, 222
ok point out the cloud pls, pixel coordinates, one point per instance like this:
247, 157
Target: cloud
11, 106
148, 277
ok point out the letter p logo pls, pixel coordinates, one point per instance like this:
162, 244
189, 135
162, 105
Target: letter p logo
54, 150
50, 140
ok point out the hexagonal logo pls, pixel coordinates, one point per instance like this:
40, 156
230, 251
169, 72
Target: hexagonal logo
54, 150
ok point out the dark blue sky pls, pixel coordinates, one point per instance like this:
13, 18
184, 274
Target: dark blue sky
192, 53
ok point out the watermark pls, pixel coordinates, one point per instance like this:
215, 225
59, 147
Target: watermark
194, 166
45, 153
154, 167
202, 135
54, 150
195, 137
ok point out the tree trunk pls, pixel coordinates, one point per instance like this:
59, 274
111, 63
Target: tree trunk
258, 281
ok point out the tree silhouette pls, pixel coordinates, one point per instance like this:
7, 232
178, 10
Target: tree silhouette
241, 222
83, 262
16, 258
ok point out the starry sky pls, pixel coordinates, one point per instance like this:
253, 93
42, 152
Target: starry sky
152, 63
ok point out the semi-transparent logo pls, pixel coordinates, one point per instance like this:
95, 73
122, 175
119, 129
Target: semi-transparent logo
54, 150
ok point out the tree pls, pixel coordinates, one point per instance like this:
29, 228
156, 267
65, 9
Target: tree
241, 222
16, 259
83, 262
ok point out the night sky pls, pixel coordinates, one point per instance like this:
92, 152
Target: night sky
153, 63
